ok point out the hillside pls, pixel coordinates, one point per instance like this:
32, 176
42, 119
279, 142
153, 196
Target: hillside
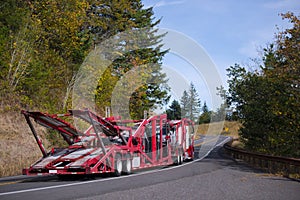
17, 146
229, 128
19, 150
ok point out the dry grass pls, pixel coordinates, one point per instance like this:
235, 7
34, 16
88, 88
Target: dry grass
229, 128
18, 148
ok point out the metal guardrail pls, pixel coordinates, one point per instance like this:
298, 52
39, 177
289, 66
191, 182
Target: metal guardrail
288, 167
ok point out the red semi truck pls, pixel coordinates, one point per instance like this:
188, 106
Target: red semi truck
110, 145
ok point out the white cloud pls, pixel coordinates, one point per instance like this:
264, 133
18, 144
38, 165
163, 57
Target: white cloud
150, 3
168, 3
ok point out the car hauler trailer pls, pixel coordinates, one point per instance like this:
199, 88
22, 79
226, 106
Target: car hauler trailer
183, 133
110, 145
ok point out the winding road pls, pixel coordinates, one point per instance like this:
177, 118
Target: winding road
213, 176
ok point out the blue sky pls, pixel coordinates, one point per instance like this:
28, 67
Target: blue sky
230, 31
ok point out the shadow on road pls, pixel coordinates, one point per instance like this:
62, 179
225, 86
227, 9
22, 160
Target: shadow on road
220, 157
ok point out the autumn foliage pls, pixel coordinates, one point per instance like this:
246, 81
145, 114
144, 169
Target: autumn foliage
267, 100
44, 42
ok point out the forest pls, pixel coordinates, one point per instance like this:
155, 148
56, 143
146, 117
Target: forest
44, 47
44, 43
266, 98
263, 96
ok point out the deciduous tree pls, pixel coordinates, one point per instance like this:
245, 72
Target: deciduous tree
267, 100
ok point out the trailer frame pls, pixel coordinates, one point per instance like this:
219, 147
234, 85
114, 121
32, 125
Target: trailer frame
109, 145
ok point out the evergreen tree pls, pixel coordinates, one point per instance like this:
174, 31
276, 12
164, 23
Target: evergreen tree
204, 108
154, 90
174, 111
205, 116
185, 101
43, 44
220, 114
195, 103
190, 103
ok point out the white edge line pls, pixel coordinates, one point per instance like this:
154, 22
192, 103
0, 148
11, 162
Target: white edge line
224, 141
113, 178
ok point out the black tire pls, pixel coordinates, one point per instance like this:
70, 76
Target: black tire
181, 159
118, 165
127, 165
176, 160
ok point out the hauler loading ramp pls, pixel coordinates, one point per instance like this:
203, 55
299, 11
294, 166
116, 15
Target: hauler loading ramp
110, 145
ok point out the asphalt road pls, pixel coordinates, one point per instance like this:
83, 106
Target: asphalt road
215, 177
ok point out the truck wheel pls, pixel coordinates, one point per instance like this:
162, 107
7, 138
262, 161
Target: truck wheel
181, 159
177, 160
127, 165
118, 165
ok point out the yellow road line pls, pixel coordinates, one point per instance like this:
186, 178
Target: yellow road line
14, 182
11, 182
